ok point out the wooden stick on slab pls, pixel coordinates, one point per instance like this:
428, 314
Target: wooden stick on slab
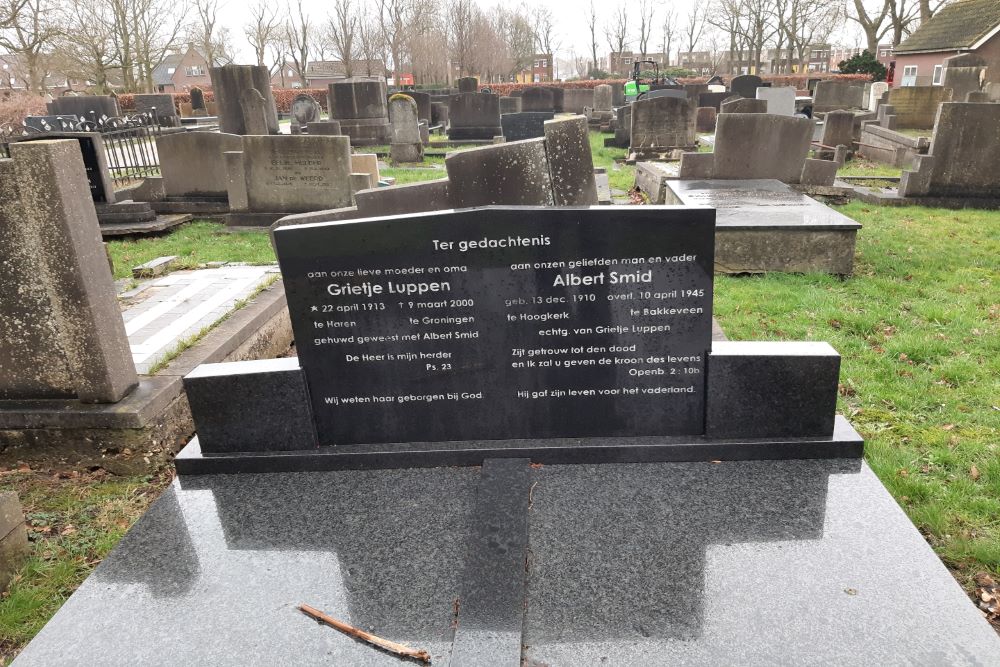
398, 649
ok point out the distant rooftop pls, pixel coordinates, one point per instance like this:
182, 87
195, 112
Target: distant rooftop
962, 25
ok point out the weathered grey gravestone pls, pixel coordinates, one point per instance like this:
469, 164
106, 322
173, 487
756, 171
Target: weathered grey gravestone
524, 125
228, 82
964, 74
510, 105
753, 146
745, 85
89, 107
833, 94
965, 152
577, 100
163, 103
361, 108
192, 163
780, 101
602, 97
875, 93
515, 173
423, 101
567, 144
198, 102
254, 109
662, 124
474, 116
324, 127
468, 84
292, 174
542, 98
743, 105
305, 109
406, 145
62, 331
705, 120
917, 106
838, 129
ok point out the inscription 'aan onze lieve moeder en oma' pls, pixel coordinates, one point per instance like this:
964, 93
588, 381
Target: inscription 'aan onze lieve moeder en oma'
445, 328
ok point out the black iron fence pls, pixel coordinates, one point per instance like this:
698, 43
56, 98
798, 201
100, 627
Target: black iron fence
129, 142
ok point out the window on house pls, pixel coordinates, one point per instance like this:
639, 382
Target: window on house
884, 53
171, 70
909, 76
937, 75
291, 72
195, 70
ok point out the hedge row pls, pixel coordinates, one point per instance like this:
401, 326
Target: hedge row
799, 81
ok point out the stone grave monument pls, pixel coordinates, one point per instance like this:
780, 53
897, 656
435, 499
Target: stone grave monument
198, 107
87, 107
406, 145
468, 84
916, 107
745, 85
305, 111
474, 116
228, 85
162, 104
601, 114
360, 107
524, 124
833, 94
780, 100
661, 125
254, 109
964, 74
193, 171
513, 437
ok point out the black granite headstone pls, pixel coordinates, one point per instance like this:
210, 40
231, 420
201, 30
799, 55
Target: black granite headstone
93, 161
503, 323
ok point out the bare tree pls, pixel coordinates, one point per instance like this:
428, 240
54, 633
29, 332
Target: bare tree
669, 32
9, 11
694, 25
902, 16
30, 34
401, 21
298, 39
263, 28
372, 47
89, 51
206, 33
592, 24
646, 13
342, 32
461, 21
616, 31
872, 20
544, 31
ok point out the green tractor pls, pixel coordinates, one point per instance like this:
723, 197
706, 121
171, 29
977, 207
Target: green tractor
637, 86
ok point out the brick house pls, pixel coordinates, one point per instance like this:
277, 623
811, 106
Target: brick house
539, 71
181, 71
965, 26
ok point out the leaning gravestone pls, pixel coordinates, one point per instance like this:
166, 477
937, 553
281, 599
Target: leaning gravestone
567, 145
293, 174
62, 331
746, 85
406, 145
838, 129
964, 74
228, 83
743, 105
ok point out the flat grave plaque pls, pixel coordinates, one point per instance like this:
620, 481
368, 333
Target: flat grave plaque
503, 322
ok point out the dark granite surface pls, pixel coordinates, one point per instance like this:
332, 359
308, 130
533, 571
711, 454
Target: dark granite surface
213, 573
749, 563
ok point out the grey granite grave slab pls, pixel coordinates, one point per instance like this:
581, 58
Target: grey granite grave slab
755, 563
750, 563
214, 572
765, 225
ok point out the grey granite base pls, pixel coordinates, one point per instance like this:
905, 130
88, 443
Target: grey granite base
749, 563
162, 223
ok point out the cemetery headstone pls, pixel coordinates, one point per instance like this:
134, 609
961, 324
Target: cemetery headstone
964, 74
228, 83
192, 163
367, 163
513, 173
468, 84
542, 98
324, 127
713, 99
62, 329
875, 93
838, 129
832, 94
292, 174
705, 120
474, 116
602, 98
675, 93
917, 106
780, 101
745, 85
406, 145
510, 105
361, 108
95, 162
305, 110
163, 103
744, 105
198, 107
576, 100
661, 124
87, 107
524, 125
439, 113
254, 108
420, 386
571, 165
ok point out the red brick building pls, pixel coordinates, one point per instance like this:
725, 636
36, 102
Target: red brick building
179, 72
965, 26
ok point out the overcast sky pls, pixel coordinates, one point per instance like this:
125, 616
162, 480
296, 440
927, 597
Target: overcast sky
572, 32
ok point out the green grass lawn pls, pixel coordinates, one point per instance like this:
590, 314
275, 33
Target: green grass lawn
918, 327
620, 175
862, 167
193, 243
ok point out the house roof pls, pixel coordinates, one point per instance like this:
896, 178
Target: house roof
162, 74
961, 25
